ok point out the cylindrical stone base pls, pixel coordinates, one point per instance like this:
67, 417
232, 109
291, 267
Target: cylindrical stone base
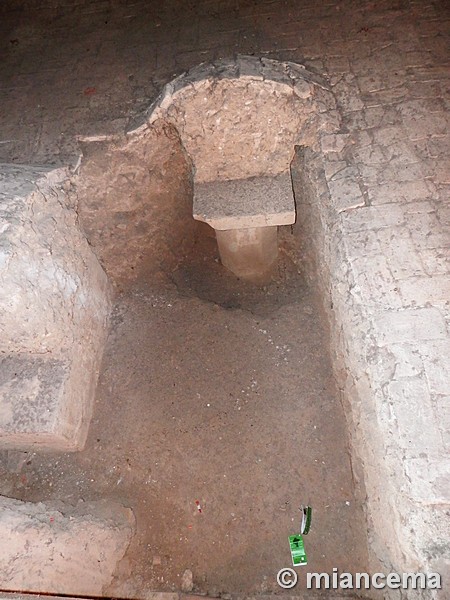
249, 253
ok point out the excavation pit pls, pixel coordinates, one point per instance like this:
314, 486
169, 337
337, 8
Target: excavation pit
214, 391
210, 390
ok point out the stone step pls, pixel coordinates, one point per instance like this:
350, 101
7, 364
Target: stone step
245, 203
42, 405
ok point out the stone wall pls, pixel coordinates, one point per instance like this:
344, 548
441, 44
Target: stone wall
133, 195
55, 305
391, 345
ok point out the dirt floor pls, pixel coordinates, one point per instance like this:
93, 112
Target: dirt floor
218, 392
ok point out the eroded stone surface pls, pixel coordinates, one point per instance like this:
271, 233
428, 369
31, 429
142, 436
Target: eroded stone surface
134, 200
60, 549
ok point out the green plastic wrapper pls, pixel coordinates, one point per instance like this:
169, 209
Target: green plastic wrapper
298, 553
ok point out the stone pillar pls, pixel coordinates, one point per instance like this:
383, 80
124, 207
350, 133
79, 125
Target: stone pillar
245, 214
249, 253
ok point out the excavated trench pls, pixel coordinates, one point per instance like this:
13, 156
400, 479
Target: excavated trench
216, 414
219, 392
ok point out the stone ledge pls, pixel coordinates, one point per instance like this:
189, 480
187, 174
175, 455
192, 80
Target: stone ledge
245, 203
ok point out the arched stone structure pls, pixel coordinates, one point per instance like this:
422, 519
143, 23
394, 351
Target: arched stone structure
227, 123
341, 219
242, 118
239, 122
230, 129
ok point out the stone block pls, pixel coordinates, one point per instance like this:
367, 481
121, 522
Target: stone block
399, 191
441, 407
55, 303
430, 479
334, 143
436, 261
61, 549
45, 402
424, 124
422, 291
408, 362
436, 358
426, 229
345, 194
372, 218
410, 325
411, 407
383, 174
361, 244
335, 169
402, 256
245, 116
245, 203
32, 393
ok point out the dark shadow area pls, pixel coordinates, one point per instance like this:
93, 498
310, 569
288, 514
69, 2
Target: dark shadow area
201, 275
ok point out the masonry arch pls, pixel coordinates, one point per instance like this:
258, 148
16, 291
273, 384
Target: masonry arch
242, 118
225, 121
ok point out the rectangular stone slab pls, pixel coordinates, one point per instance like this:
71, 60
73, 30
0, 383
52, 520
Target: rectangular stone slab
245, 203
31, 389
